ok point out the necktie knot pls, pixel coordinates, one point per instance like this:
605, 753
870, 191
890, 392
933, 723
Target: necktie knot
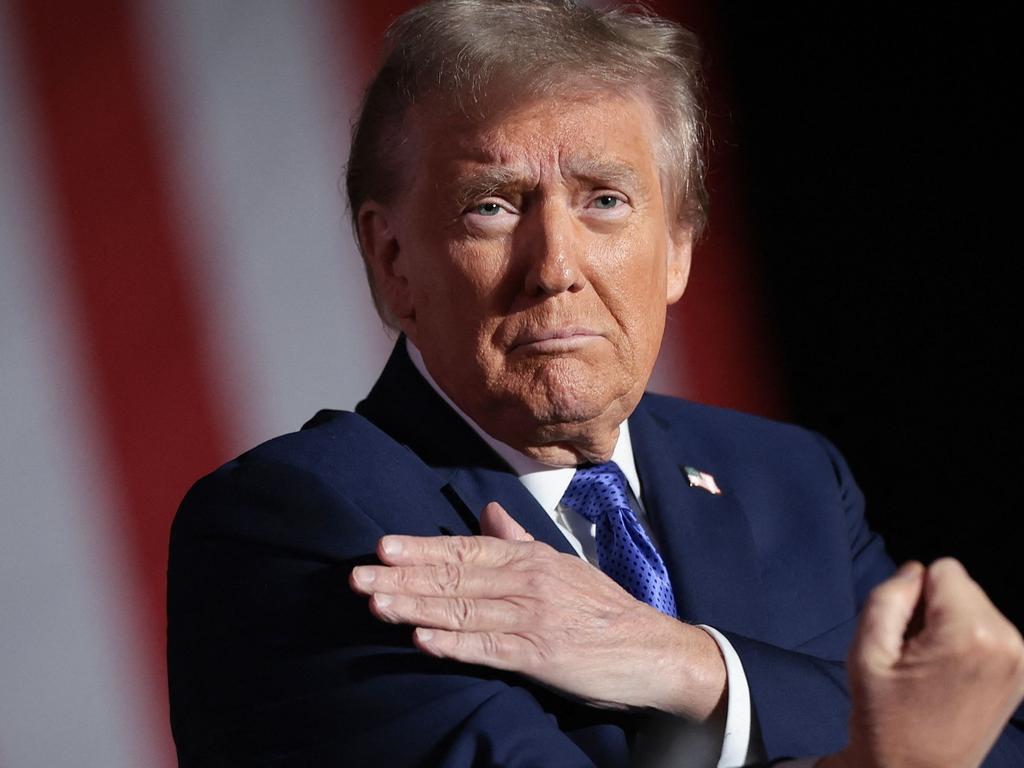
596, 490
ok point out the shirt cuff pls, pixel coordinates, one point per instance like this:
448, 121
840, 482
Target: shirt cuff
736, 743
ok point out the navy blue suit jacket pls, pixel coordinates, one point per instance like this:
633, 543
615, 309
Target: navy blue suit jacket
275, 662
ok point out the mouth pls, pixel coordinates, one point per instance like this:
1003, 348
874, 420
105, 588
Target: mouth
554, 340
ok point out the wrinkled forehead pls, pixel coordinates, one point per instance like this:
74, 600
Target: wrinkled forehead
583, 132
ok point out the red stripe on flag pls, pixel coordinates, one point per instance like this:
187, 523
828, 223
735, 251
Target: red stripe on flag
361, 28
125, 261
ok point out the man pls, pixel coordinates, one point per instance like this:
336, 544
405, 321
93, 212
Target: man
525, 181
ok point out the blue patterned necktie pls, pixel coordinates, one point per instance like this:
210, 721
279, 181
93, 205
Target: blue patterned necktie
624, 551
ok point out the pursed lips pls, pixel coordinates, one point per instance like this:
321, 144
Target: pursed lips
554, 339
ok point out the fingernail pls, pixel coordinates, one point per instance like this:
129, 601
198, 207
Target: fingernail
364, 575
383, 601
425, 635
390, 546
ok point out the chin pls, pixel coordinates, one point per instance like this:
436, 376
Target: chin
560, 399
556, 392
566, 411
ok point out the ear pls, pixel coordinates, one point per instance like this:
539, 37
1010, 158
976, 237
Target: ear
680, 248
385, 260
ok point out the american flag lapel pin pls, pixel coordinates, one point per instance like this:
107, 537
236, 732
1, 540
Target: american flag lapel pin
703, 480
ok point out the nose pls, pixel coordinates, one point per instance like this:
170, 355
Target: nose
554, 252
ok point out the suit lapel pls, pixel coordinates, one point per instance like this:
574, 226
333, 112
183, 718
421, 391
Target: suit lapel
704, 539
479, 485
404, 405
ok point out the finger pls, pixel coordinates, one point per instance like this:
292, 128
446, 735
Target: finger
960, 615
949, 588
427, 550
496, 522
445, 580
451, 613
492, 649
886, 616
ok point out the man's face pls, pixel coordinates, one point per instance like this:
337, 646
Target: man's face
531, 258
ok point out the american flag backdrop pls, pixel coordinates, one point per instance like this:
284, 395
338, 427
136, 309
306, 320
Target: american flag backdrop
177, 283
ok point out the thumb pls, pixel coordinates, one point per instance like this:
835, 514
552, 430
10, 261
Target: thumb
496, 522
886, 617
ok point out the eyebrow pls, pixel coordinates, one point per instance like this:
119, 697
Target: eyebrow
489, 180
604, 172
484, 182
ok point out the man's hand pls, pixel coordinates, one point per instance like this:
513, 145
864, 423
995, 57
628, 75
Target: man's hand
935, 672
506, 601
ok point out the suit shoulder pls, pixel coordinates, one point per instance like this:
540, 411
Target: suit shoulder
743, 438
338, 460
718, 423
327, 443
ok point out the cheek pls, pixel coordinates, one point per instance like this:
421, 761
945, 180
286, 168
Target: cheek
462, 282
643, 307
636, 282
487, 273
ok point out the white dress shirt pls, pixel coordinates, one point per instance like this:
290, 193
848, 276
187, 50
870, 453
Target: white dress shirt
548, 484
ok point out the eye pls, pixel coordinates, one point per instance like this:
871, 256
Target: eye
487, 209
606, 202
490, 216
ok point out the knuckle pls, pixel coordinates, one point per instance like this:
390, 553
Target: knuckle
463, 548
448, 578
996, 652
490, 644
999, 645
981, 639
420, 608
461, 612
400, 578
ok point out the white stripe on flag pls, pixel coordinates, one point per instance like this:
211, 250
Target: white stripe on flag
257, 117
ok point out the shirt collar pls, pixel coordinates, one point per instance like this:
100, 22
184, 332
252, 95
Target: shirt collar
546, 483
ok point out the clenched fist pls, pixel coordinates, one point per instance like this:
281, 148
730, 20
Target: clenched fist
935, 673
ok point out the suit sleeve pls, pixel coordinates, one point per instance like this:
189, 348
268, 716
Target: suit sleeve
807, 684
273, 661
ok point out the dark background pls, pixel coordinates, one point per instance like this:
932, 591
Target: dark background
873, 149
